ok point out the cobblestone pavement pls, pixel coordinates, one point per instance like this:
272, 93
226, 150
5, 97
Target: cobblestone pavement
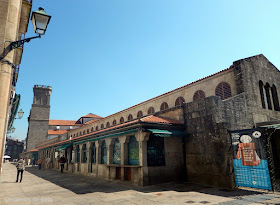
52, 187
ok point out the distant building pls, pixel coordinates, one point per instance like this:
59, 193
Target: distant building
41, 128
13, 148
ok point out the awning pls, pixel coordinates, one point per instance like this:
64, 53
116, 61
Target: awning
63, 147
167, 133
270, 124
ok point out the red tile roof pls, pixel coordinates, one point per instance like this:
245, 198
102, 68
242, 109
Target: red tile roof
90, 115
157, 119
63, 122
56, 132
148, 119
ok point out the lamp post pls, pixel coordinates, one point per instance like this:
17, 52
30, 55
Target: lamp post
40, 20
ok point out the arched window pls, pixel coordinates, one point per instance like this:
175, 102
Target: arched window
77, 134
275, 98
108, 124
96, 128
92, 129
223, 90
103, 153
114, 122
78, 154
121, 120
267, 96
179, 101
151, 110
117, 152
139, 114
93, 154
102, 126
84, 132
198, 95
87, 130
262, 93
80, 133
84, 153
129, 117
74, 135
164, 106
70, 136
133, 151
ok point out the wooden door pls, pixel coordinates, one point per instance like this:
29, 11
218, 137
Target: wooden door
118, 172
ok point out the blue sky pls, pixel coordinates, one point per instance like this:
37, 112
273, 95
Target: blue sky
104, 56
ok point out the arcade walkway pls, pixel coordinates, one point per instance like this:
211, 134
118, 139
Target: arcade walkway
51, 187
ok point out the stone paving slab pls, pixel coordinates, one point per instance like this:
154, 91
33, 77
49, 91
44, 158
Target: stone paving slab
52, 187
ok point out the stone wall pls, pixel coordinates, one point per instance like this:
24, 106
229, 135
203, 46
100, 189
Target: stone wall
248, 73
208, 147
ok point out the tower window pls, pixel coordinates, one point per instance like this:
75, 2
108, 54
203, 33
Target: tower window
275, 98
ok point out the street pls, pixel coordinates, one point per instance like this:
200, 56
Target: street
52, 187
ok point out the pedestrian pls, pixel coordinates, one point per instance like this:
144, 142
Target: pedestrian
62, 160
49, 162
40, 163
20, 168
28, 161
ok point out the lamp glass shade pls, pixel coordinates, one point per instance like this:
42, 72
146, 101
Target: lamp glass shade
20, 113
40, 20
13, 129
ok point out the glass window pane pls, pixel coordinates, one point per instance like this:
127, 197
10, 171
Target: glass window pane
133, 151
117, 152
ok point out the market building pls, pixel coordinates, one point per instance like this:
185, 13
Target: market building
221, 130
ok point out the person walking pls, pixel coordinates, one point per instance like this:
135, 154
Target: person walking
20, 168
40, 163
62, 160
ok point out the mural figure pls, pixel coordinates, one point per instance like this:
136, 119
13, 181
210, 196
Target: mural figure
247, 151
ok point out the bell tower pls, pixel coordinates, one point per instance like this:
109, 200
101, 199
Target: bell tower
38, 120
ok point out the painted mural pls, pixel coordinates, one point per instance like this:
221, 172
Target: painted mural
249, 159
133, 151
117, 152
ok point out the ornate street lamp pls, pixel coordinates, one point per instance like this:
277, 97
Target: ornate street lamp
20, 114
40, 20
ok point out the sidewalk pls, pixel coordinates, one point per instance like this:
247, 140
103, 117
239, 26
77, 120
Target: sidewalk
52, 187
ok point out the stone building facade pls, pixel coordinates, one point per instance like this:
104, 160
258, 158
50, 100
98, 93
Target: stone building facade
14, 18
184, 134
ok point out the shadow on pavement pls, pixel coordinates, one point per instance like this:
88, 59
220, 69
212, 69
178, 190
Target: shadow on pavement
81, 184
